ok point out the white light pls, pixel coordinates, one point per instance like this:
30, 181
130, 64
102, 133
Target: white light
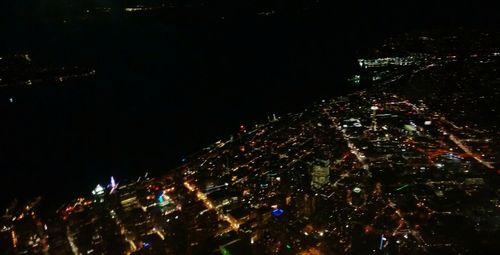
113, 183
99, 190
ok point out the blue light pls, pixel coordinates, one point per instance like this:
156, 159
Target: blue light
382, 240
278, 212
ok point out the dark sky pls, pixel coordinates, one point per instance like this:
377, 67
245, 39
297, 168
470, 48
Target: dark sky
170, 84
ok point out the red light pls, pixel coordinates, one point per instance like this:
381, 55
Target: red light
368, 229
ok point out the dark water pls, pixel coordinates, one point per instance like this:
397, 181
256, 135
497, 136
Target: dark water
164, 89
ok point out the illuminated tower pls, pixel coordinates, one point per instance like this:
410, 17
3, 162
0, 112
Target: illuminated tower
112, 185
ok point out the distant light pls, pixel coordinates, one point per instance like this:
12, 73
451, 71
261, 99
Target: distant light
356, 190
11, 100
427, 122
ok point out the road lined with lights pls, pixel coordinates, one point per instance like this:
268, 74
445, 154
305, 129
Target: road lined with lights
464, 147
233, 223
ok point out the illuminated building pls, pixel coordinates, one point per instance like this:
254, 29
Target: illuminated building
320, 174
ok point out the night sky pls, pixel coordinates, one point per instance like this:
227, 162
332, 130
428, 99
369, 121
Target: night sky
168, 85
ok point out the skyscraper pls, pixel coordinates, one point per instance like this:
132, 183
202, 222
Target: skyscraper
320, 173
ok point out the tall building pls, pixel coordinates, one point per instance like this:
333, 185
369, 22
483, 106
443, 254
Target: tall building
320, 173
309, 205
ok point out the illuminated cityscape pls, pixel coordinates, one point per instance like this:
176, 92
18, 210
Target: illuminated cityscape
375, 171
403, 160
